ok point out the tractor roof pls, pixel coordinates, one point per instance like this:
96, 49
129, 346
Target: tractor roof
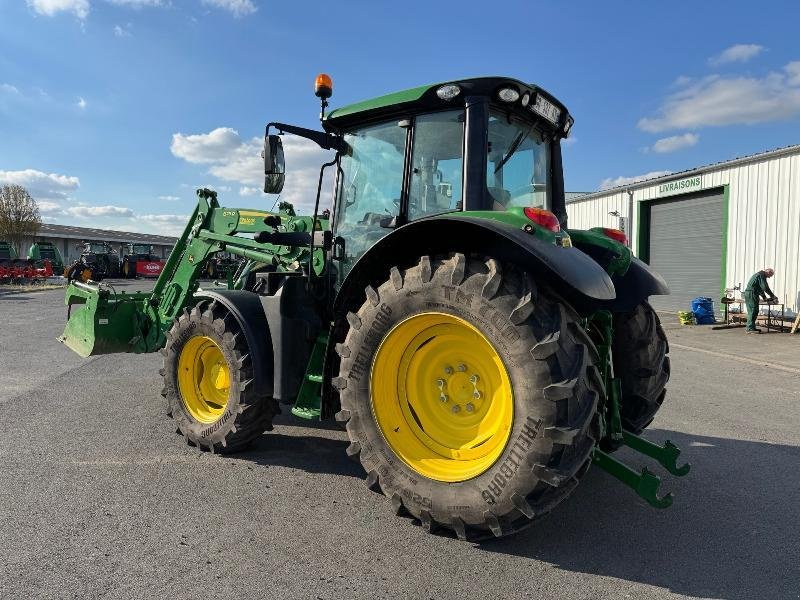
424, 98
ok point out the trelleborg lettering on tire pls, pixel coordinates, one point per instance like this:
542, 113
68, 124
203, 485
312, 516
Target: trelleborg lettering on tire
553, 395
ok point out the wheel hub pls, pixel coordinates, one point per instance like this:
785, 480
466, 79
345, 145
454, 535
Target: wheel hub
442, 397
203, 379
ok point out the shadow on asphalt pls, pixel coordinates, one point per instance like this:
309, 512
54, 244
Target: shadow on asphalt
301, 450
731, 532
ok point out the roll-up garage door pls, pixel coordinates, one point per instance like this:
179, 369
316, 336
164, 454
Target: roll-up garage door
686, 248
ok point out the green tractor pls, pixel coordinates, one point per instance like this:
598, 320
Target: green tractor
481, 354
7, 251
98, 261
41, 251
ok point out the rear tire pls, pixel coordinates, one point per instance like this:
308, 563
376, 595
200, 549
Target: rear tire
208, 381
640, 351
555, 392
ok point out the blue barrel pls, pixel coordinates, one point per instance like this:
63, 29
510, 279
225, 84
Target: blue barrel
703, 310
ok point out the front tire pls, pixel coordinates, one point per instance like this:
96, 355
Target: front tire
640, 351
424, 343
208, 381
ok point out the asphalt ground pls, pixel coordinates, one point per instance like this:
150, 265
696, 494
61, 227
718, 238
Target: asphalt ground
99, 498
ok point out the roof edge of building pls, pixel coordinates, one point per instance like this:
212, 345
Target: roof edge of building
777, 152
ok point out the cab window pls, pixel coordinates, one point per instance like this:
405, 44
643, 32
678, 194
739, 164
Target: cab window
370, 185
372, 173
518, 165
436, 164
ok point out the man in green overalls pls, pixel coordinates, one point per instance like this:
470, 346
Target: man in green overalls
757, 288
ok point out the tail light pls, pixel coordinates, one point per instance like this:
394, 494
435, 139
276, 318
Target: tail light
616, 234
543, 217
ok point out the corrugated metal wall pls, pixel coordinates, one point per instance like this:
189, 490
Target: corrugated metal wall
763, 219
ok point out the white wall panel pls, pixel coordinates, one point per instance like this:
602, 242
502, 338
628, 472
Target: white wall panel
763, 218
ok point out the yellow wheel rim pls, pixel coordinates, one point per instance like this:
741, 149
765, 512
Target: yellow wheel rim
441, 397
203, 379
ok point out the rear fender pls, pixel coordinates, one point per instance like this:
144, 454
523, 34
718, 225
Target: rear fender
635, 286
573, 274
634, 280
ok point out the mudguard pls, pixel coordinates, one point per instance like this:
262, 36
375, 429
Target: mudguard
574, 274
246, 308
636, 285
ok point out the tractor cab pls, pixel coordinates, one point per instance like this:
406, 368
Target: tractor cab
488, 144
143, 251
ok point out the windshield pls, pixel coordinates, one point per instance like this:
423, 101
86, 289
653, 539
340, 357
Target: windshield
518, 169
141, 249
98, 249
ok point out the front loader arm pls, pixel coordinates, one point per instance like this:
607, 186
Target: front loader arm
107, 321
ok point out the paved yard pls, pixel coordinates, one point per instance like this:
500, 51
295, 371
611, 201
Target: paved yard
100, 499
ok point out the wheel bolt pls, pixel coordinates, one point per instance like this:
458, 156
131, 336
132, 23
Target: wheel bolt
440, 383
470, 407
443, 398
474, 379
462, 367
448, 370
476, 394
456, 408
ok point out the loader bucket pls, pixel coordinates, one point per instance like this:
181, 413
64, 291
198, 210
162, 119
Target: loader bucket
101, 321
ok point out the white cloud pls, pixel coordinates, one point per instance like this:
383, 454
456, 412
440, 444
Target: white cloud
8, 89
238, 8
136, 3
736, 53
610, 182
84, 211
793, 72
681, 81
49, 209
169, 198
42, 186
248, 191
163, 224
80, 8
122, 31
206, 148
231, 158
675, 142
81, 103
717, 101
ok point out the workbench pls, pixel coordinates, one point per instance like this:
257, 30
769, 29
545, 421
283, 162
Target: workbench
770, 322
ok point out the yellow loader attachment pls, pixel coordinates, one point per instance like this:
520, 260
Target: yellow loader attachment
102, 321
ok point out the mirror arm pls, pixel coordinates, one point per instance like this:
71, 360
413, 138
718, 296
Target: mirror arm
326, 141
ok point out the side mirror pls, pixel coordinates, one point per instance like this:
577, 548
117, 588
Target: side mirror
274, 165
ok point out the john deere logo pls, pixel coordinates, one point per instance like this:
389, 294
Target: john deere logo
680, 186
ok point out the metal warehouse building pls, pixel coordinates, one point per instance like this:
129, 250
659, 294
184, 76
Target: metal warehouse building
710, 228
66, 238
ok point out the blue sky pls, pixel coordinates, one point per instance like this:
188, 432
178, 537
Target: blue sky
113, 111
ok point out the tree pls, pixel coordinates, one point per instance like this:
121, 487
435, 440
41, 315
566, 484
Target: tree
19, 215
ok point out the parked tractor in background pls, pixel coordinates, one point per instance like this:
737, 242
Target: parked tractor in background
7, 252
41, 251
221, 265
481, 354
98, 260
138, 259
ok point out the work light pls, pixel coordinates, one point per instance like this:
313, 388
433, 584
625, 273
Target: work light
508, 94
448, 92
